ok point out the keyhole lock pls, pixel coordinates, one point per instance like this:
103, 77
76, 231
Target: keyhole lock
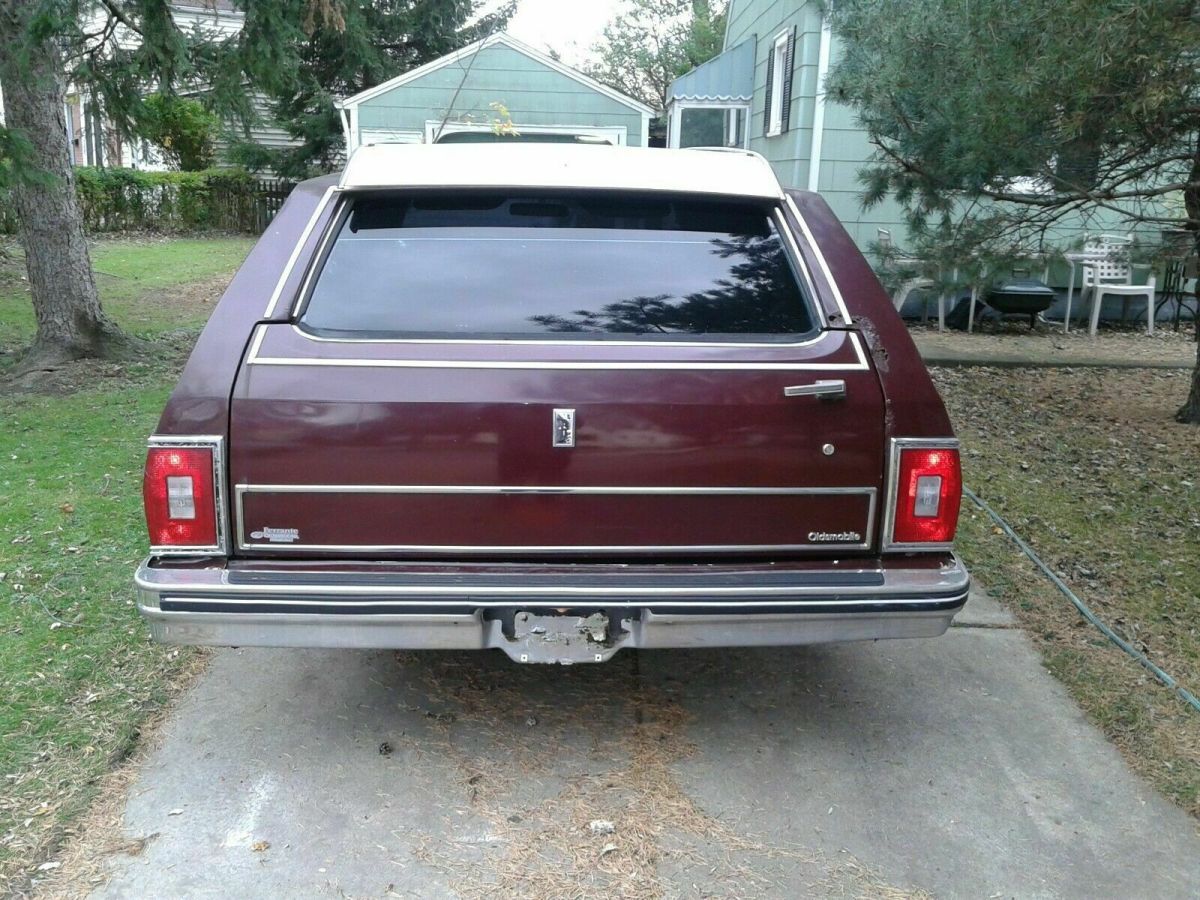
828, 449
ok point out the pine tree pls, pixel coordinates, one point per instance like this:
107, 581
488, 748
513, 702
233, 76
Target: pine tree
299, 53
366, 44
997, 122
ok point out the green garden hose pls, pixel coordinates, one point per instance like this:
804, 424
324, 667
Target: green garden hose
1084, 610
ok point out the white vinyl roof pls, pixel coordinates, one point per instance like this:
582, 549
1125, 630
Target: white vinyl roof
735, 173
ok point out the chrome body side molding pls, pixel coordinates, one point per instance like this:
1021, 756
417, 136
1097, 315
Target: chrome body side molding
241, 491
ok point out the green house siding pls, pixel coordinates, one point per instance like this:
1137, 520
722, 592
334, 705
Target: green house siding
845, 148
844, 145
464, 90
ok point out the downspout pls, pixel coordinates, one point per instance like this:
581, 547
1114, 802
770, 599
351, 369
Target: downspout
818, 130
345, 124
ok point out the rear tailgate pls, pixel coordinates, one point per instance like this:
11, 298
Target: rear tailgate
423, 443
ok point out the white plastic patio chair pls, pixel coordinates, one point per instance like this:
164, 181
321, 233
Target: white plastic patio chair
1111, 272
920, 282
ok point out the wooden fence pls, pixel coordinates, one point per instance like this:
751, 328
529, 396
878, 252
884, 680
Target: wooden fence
247, 206
268, 200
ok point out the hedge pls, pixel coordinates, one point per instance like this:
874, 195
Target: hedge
132, 200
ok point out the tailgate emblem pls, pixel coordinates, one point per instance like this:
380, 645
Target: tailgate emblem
276, 535
563, 428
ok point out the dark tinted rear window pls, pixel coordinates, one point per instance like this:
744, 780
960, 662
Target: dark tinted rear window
586, 267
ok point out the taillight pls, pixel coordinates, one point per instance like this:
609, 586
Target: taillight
180, 495
928, 488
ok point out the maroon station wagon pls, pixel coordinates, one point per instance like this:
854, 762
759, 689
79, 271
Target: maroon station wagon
556, 400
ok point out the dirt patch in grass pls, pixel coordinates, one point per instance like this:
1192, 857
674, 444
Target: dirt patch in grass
161, 356
1090, 468
149, 286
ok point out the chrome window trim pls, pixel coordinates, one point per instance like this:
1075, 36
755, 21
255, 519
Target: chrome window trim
253, 358
791, 251
332, 227
216, 443
303, 239
889, 515
800, 265
821, 261
241, 490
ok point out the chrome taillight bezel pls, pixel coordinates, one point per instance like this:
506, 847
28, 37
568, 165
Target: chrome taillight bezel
215, 443
887, 543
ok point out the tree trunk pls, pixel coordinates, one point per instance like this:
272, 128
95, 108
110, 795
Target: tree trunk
1189, 413
70, 322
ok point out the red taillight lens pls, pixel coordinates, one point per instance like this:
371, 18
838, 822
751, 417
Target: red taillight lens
928, 492
178, 491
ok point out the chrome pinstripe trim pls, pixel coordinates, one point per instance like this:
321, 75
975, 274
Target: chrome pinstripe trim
565, 365
291, 263
534, 489
893, 472
260, 334
816, 248
241, 490
254, 359
216, 443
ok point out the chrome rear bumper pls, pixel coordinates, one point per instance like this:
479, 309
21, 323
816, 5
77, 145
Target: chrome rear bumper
705, 606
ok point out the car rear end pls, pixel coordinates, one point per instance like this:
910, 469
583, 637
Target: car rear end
577, 400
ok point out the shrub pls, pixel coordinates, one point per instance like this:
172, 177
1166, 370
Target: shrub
182, 129
132, 200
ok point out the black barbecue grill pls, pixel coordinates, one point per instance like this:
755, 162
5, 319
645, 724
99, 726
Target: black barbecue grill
1020, 296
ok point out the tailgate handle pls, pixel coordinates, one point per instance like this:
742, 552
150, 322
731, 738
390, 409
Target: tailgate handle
826, 390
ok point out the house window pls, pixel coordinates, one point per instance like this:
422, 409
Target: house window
777, 111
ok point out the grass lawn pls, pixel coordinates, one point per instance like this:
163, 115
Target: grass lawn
78, 675
138, 280
1088, 466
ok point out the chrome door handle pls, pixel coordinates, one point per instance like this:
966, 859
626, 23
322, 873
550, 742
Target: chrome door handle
827, 390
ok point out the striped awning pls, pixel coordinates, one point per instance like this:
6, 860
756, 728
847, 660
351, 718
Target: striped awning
728, 77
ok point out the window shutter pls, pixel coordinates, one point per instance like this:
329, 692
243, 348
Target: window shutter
770, 81
789, 66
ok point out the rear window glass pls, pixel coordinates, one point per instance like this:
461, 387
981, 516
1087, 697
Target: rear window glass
557, 267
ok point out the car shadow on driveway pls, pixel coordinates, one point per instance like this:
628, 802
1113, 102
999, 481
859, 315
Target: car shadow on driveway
955, 766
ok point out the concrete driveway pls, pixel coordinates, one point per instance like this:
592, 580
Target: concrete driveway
954, 767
